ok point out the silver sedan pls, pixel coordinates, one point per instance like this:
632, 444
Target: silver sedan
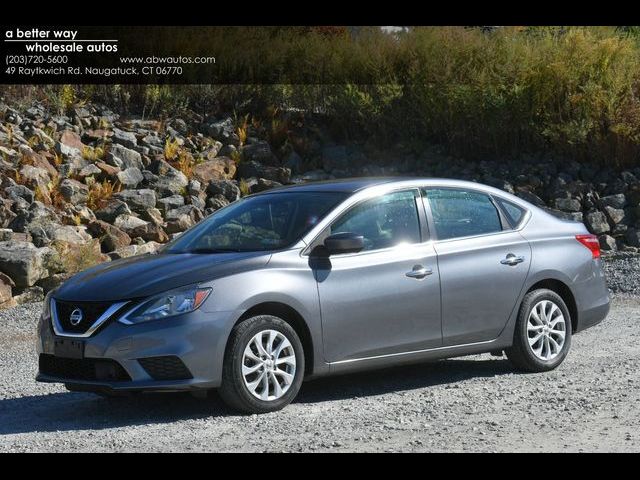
328, 278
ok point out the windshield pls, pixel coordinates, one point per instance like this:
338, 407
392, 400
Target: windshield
265, 222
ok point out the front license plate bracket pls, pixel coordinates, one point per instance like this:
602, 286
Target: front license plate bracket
68, 348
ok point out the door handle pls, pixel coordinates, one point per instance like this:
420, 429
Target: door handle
419, 272
512, 260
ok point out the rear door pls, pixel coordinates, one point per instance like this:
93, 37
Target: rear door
483, 263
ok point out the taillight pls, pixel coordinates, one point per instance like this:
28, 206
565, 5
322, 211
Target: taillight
591, 242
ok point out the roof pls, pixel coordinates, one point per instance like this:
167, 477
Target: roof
346, 185
352, 185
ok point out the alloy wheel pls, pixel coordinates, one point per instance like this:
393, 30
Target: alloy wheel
268, 365
546, 330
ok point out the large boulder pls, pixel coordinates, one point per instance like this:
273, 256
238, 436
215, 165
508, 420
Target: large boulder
20, 191
130, 177
128, 139
150, 232
111, 238
90, 171
607, 242
614, 215
73, 191
227, 188
51, 232
260, 152
137, 200
123, 157
597, 222
262, 184
113, 210
106, 170
169, 203
37, 215
70, 144
6, 285
219, 168
182, 218
224, 130
133, 250
615, 201
258, 170
53, 281
23, 262
29, 295
173, 183
35, 175
568, 204
128, 223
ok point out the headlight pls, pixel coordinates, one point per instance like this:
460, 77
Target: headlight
168, 304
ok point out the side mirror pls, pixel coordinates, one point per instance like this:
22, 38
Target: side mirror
344, 242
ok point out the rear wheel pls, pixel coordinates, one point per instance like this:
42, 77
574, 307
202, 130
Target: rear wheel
542, 336
263, 365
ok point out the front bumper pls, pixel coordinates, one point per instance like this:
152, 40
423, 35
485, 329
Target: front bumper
197, 339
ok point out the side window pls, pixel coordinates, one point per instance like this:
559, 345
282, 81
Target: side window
513, 212
384, 221
462, 213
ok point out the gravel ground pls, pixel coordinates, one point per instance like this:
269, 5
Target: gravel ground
623, 272
592, 402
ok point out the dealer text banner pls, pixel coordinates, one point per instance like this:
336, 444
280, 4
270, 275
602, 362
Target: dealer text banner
169, 55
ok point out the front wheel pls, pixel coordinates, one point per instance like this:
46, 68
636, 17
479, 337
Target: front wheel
542, 336
263, 365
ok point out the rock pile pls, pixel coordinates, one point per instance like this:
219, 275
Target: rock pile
91, 186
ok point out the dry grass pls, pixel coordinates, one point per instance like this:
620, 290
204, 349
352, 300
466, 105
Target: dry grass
244, 187
171, 149
93, 154
242, 129
101, 192
179, 157
185, 163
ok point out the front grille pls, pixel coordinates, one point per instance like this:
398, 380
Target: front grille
89, 369
165, 368
91, 311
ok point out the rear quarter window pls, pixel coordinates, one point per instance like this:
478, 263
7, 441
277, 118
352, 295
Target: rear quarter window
513, 212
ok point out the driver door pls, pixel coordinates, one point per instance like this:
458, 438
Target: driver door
376, 302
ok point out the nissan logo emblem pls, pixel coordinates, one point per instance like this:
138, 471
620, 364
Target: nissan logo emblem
76, 317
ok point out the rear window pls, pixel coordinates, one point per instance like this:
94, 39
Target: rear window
513, 212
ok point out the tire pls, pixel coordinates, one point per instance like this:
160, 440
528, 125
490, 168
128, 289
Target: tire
531, 357
241, 351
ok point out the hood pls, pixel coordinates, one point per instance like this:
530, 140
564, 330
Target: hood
141, 276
